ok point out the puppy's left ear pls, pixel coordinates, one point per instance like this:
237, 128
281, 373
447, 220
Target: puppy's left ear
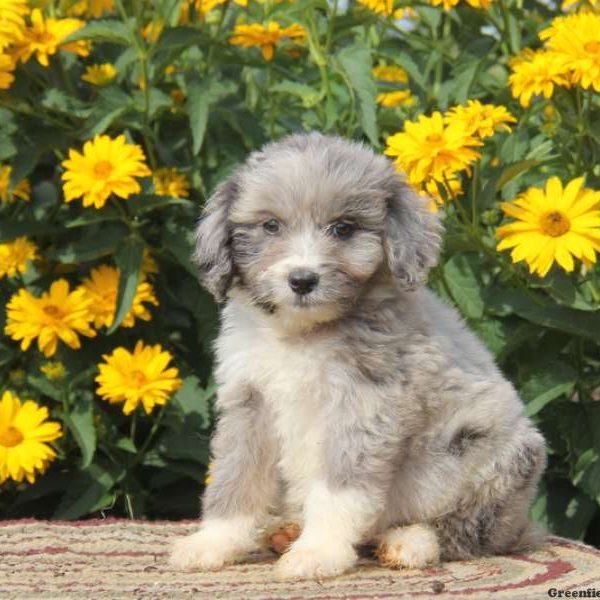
413, 236
213, 253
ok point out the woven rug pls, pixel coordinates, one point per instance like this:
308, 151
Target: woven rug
127, 559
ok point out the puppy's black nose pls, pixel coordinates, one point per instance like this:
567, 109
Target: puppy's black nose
302, 281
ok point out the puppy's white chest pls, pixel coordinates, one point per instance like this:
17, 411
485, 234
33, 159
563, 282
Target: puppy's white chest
293, 380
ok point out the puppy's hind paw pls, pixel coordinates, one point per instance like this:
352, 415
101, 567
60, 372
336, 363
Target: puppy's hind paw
413, 547
315, 562
282, 537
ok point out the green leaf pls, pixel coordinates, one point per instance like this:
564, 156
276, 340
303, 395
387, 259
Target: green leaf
355, 60
106, 30
86, 492
80, 421
201, 95
538, 309
41, 384
308, 95
101, 243
111, 104
460, 273
557, 379
191, 398
513, 171
144, 203
129, 261
9, 230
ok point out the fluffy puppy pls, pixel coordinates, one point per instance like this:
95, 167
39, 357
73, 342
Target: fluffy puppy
352, 401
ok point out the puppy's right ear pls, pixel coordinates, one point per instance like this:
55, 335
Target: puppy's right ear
213, 253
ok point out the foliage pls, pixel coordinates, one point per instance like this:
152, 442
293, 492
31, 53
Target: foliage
192, 104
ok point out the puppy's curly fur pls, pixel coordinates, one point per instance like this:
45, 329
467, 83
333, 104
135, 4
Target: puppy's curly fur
352, 401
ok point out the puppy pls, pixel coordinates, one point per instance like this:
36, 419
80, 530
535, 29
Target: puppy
352, 401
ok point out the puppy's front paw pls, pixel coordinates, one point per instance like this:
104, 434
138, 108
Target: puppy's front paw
218, 543
315, 561
413, 547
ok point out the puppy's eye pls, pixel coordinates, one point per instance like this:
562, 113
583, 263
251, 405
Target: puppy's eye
272, 226
342, 230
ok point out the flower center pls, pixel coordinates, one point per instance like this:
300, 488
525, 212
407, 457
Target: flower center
434, 138
10, 437
52, 311
138, 378
592, 47
103, 168
555, 223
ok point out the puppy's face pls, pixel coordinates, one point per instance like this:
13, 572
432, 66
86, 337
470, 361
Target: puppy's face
305, 224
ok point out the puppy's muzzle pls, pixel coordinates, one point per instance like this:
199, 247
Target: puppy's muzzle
303, 281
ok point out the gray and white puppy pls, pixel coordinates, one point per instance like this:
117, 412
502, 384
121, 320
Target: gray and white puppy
352, 401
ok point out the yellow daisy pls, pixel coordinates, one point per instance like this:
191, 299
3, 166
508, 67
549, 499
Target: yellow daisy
24, 433
54, 370
205, 6
21, 190
265, 37
575, 39
138, 377
105, 167
481, 120
390, 73
7, 66
397, 98
93, 9
430, 190
56, 315
12, 22
430, 149
447, 4
170, 182
14, 256
46, 36
102, 286
99, 74
536, 73
380, 7
485, 4
553, 224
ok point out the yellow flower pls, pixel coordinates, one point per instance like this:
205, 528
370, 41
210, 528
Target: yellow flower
90, 8
21, 190
106, 167
390, 73
398, 98
447, 4
57, 315
553, 224
429, 149
170, 182
7, 66
481, 120
430, 189
15, 255
12, 23
137, 377
380, 7
46, 36
485, 4
99, 74
205, 6
575, 39
24, 433
536, 73
267, 37
152, 31
580, 5
54, 370
102, 287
